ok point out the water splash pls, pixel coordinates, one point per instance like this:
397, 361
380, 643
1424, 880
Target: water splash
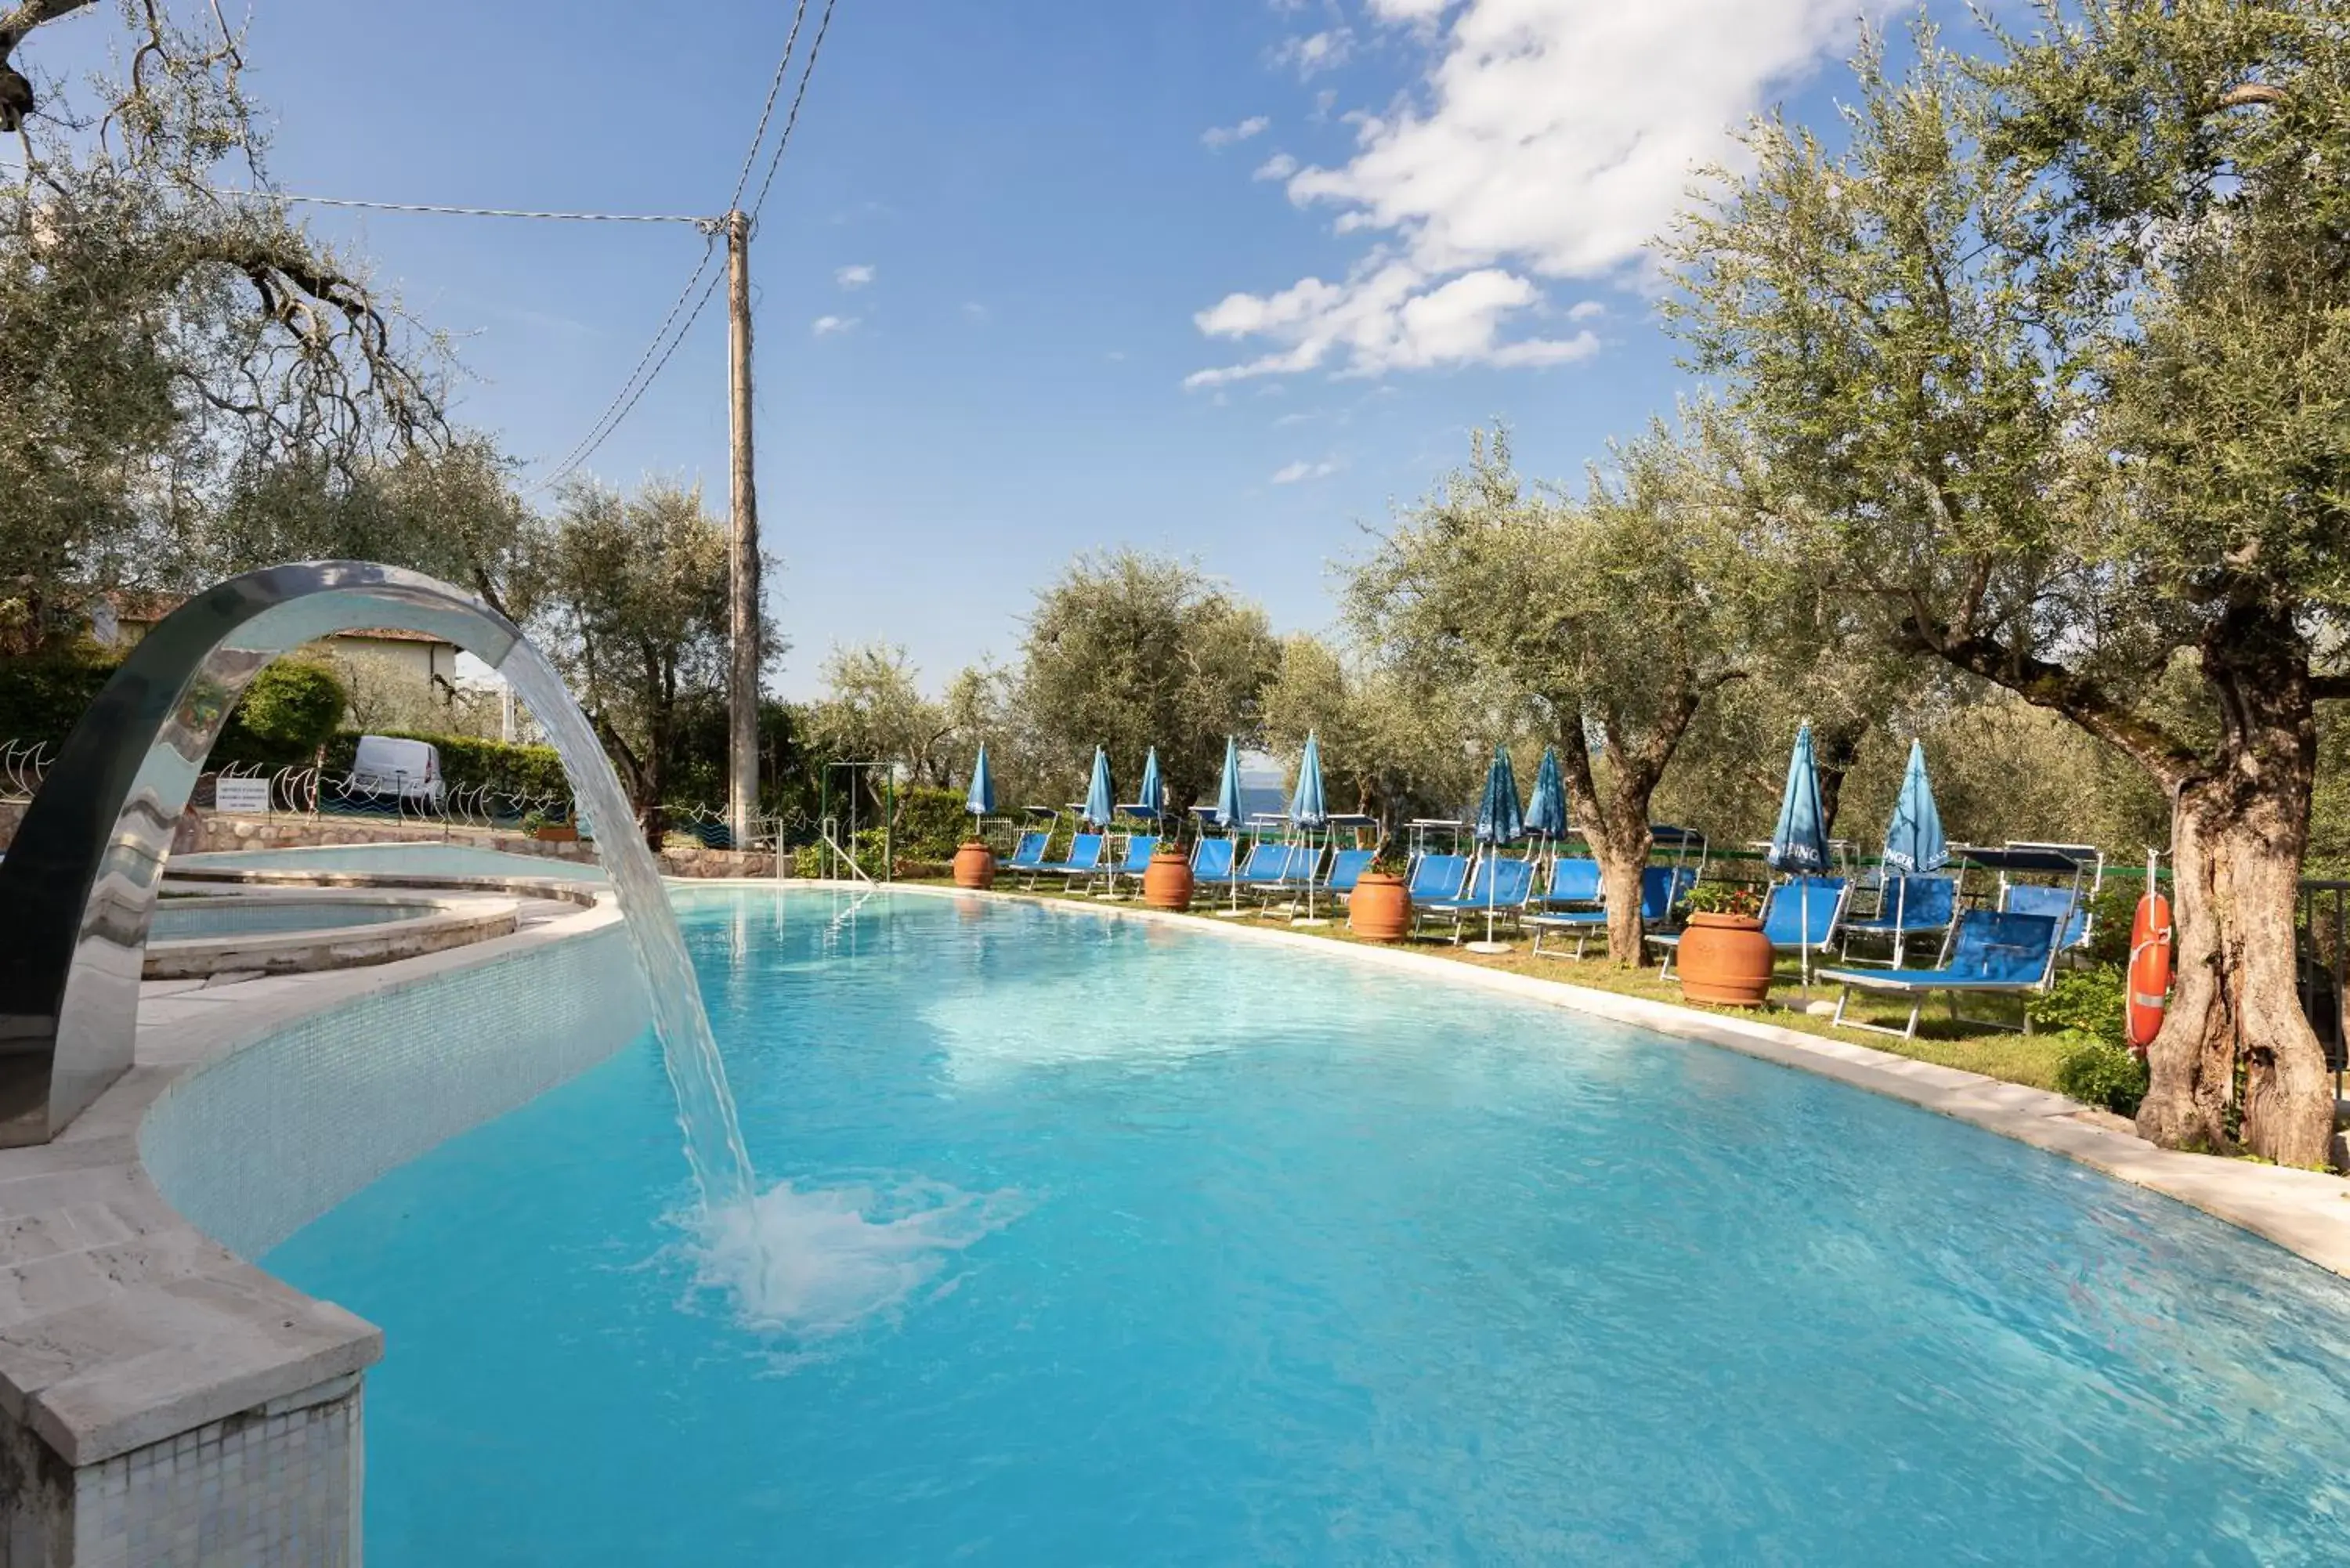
705, 1106
811, 1263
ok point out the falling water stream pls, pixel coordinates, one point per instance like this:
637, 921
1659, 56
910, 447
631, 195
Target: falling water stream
705, 1106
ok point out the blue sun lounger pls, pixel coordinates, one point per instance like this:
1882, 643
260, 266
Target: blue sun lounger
1906, 906
1266, 869
1990, 952
1574, 883
1500, 883
1662, 888
2064, 904
1347, 868
1139, 847
1029, 853
1437, 876
1084, 861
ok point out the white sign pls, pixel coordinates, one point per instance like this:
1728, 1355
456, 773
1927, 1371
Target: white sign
241, 795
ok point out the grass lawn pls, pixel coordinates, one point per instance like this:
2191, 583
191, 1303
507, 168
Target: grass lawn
1994, 1053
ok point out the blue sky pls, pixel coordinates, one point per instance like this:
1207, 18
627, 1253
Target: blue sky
1226, 278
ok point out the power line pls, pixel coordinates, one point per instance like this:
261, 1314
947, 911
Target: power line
782, 69
633, 388
816, 48
705, 224
639, 380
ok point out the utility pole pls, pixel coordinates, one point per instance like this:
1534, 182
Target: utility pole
743, 621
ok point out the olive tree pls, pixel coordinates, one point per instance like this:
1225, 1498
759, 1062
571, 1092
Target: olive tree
156, 333
1394, 745
629, 596
1130, 650
2047, 364
1607, 619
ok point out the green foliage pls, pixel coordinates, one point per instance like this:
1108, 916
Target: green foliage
2098, 1073
930, 824
629, 594
293, 704
2086, 1002
874, 711
1726, 898
467, 762
156, 340
1130, 651
42, 696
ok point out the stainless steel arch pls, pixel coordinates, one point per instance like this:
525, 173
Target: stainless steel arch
77, 884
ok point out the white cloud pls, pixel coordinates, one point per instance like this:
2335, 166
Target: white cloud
1218, 136
855, 277
1547, 139
1301, 470
832, 325
975, 313
1316, 52
1585, 309
1389, 315
1280, 166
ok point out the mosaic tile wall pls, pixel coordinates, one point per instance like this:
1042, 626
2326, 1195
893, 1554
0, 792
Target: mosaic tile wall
261, 1142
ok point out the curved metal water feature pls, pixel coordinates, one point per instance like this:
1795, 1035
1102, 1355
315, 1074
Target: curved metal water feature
77, 884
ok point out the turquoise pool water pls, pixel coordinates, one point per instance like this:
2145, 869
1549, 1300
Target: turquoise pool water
1100, 1243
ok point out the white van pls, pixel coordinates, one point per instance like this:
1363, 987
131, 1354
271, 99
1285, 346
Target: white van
387, 764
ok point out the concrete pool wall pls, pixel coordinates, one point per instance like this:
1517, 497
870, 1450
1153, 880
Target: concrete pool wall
162, 1400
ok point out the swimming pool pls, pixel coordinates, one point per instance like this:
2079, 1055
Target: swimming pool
1103, 1241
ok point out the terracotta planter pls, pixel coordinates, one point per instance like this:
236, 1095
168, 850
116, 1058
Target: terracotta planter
557, 833
1166, 880
1725, 961
974, 864
1380, 908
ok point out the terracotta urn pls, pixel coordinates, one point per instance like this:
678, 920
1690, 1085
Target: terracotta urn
974, 864
1380, 908
1725, 961
1166, 880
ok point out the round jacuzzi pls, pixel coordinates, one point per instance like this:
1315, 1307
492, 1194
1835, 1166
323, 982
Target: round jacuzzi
198, 935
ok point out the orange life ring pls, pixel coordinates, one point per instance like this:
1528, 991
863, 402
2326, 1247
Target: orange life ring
2149, 969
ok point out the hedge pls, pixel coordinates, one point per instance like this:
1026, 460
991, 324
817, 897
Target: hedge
467, 762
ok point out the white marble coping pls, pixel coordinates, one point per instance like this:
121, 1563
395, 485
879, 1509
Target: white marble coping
120, 1324
2305, 1211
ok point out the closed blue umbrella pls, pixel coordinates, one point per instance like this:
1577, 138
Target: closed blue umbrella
1228, 815
1099, 801
981, 799
1800, 842
1152, 800
1913, 839
1228, 794
1500, 820
1546, 812
1306, 807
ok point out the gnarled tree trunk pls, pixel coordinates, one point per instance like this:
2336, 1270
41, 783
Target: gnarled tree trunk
1623, 859
2235, 1038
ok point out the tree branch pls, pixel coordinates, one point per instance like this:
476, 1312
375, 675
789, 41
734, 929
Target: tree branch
2052, 686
